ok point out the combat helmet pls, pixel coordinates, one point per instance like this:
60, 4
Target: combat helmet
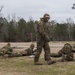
46, 15
8, 44
32, 46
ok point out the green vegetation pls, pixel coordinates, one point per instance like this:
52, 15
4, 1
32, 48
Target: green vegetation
17, 29
25, 66
23, 31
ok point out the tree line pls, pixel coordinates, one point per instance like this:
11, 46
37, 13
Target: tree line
25, 31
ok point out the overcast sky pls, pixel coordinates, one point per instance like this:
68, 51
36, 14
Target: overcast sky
59, 10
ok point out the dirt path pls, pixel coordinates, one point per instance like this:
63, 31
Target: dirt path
22, 46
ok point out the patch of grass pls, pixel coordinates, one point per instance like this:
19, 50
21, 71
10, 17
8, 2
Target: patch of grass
25, 66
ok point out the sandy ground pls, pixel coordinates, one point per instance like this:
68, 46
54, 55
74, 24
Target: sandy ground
22, 46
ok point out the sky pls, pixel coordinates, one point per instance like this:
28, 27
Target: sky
59, 10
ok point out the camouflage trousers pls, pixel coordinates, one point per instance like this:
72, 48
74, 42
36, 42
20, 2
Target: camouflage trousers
46, 48
64, 57
56, 55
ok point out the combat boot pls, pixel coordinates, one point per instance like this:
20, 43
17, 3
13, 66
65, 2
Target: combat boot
51, 62
38, 63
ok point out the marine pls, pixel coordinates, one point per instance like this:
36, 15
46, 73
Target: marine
28, 51
43, 40
7, 49
65, 53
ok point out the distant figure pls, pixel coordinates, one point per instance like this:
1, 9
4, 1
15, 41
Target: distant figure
66, 53
42, 40
7, 49
28, 51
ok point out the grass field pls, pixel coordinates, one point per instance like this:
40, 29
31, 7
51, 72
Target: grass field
25, 65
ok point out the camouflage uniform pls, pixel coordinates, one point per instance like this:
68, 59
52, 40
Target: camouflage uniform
42, 40
66, 53
28, 51
6, 50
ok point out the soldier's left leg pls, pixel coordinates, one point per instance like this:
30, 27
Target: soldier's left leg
47, 51
47, 54
55, 55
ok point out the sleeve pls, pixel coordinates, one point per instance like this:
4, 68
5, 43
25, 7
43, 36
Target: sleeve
42, 32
